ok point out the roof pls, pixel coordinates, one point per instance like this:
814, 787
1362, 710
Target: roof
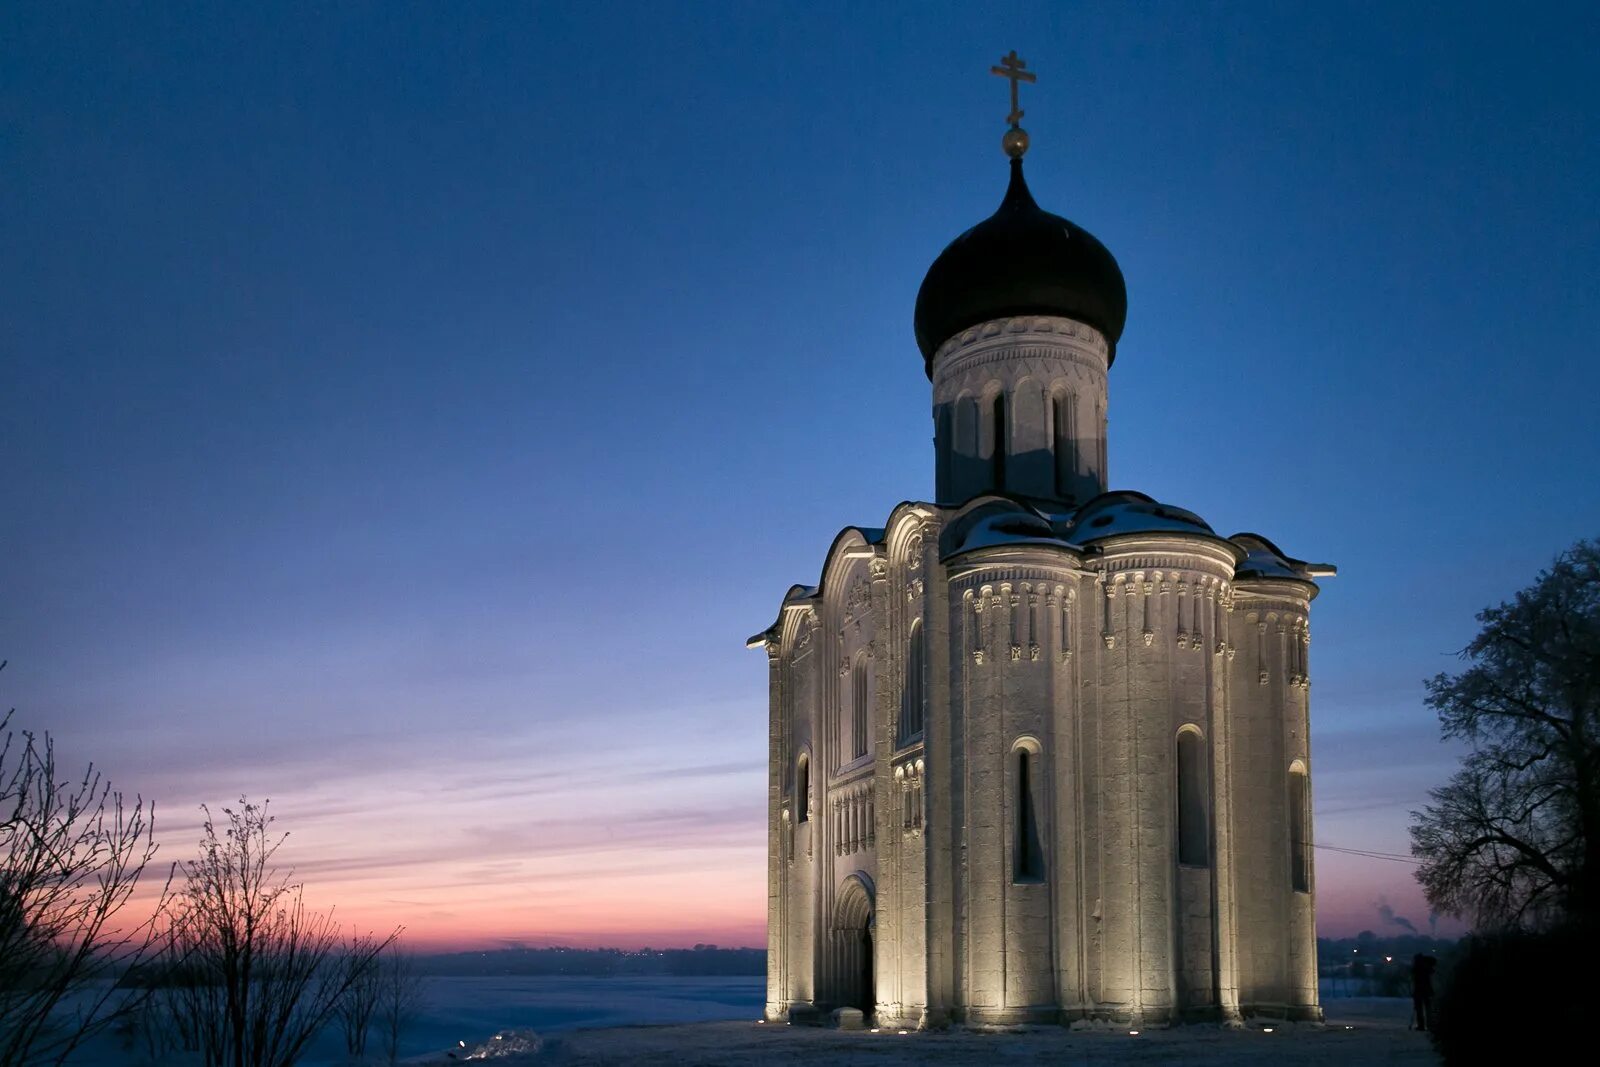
995, 519
1022, 260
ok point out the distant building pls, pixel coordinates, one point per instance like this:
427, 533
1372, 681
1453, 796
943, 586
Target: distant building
1039, 751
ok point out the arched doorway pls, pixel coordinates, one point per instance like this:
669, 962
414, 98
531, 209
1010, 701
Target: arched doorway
855, 983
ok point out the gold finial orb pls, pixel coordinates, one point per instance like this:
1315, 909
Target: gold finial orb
1015, 142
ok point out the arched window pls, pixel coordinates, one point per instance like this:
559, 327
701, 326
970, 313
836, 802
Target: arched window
911, 697
1193, 839
1061, 420
1027, 851
802, 789
1299, 824
859, 711
998, 450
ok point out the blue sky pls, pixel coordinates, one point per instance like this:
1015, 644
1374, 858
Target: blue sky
406, 411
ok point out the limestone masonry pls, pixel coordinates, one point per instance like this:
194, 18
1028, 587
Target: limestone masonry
1039, 751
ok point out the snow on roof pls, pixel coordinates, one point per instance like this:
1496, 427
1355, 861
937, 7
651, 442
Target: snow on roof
1124, 512
1009, 528
1263, 559
996, 520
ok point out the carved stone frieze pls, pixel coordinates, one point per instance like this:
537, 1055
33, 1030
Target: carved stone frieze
858, 600
1057, 337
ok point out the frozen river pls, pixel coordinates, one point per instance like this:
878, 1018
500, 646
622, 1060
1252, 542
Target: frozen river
472, 1009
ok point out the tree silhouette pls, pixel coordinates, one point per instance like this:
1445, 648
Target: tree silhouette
72, 851
252, 975
1513, 839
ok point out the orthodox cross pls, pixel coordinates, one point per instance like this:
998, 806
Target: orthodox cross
1014, 70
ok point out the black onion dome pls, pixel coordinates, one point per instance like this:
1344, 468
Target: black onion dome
1021, 260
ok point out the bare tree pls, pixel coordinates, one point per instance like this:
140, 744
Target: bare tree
360, 1001
399, 998
72, 851
1513, 839
255, 974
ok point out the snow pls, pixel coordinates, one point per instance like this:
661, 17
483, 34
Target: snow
1126, 512
1010, 528
1372, 1031
1007, 522
525, 1021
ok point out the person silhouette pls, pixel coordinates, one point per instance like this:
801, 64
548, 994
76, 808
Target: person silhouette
1422, 966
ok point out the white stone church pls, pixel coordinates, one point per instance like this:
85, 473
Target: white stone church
1039, 750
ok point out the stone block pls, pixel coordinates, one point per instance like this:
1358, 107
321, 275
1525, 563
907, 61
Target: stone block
849, 1019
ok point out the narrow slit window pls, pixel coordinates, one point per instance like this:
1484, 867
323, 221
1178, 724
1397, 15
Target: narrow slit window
1027, 851
858, 719
802, 790
1000, 438
944, 448
1193, 843
1062, 421
1299, 840
911, 698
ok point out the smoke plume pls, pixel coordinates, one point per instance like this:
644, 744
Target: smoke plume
1388, 915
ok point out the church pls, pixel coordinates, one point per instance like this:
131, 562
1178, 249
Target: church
1039, 749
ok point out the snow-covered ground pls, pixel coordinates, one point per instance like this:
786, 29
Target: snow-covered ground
1360, 1031
712, 1021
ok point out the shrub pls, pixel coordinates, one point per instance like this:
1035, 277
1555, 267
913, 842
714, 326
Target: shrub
1516, 997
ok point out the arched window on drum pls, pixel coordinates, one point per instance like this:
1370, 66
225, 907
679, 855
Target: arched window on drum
999, 441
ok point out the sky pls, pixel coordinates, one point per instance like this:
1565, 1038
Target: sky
406, 411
